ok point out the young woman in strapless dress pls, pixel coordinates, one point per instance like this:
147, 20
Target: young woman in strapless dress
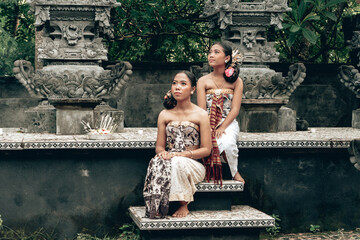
183, 139
220, 93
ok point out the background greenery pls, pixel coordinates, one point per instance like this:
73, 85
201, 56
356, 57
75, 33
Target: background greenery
173, 31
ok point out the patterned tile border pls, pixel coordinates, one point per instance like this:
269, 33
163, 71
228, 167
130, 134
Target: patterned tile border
91, 145
52, 144
227, 186
238, 217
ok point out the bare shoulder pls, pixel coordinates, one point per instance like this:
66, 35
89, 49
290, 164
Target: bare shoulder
203, 79
163, 115
200, 112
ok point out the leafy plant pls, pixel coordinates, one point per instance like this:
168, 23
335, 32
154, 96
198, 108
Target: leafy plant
311, 31
17, 34
160, 31
314, 228
273, 231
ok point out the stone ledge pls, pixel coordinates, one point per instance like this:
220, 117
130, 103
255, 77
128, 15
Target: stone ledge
144, 138
238, 217
227, 186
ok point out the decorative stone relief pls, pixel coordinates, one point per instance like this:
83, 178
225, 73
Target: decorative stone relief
72, 2
350, 77
103, 16
42, 14
72, 33
72, 81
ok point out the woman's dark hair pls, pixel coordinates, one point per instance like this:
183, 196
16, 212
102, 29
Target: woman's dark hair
228, 52
169, 100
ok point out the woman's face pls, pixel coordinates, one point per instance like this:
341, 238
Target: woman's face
181, 87
216, 56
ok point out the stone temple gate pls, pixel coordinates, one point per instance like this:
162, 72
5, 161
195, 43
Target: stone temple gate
69, 81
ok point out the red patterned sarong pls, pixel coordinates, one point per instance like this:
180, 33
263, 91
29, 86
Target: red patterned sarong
213, 162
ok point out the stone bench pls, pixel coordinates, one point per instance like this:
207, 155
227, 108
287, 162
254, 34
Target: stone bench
212, 215
241, 222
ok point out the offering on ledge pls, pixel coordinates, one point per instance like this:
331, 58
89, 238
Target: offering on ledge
104, 131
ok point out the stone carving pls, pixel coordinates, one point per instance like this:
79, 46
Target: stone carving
354, 151
277, 5
214, 6
73, 2
249, 38
72, 81
72, 33
103, 16
267, 54
350, 77
42, 14
268, 84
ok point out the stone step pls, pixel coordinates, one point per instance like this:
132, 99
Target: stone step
227, 186
240, 216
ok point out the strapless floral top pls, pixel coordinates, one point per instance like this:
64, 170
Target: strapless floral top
227, 94
182, 135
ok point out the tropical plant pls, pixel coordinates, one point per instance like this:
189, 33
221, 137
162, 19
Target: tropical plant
16, 34
164, 31
312, 31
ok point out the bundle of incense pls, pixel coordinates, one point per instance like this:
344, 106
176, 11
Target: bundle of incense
86, 125
107, 125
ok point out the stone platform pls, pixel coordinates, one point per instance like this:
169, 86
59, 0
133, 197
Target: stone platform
144, 138
240, 216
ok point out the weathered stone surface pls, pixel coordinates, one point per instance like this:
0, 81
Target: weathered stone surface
356, 119
143, 103
286, 119
318, 104
260, 115
41, 119
68, 119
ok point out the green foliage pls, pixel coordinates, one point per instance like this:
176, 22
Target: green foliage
17, 34
273, 231
314, 228
162, 31
312, 31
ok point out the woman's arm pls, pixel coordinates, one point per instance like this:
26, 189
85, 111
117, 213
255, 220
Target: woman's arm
235, 108
161, 133
201, 93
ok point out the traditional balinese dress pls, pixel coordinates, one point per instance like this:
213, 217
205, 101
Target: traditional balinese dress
227, 142
174, 179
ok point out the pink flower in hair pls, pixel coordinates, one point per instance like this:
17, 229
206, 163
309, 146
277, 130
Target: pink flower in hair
229, 72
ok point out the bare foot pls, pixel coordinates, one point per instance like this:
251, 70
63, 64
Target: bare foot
183, 210
238, 177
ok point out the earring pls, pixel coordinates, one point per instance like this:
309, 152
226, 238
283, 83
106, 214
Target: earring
226, 61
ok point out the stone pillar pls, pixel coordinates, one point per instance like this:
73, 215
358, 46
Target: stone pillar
41, 119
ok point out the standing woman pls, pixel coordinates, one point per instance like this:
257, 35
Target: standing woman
220, 92
183, 138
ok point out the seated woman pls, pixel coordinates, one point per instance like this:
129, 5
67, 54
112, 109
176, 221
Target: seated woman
183, 138
220, 92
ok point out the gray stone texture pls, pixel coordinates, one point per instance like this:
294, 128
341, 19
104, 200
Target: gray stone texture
41, 119
286, 119
68, 119
355, 118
